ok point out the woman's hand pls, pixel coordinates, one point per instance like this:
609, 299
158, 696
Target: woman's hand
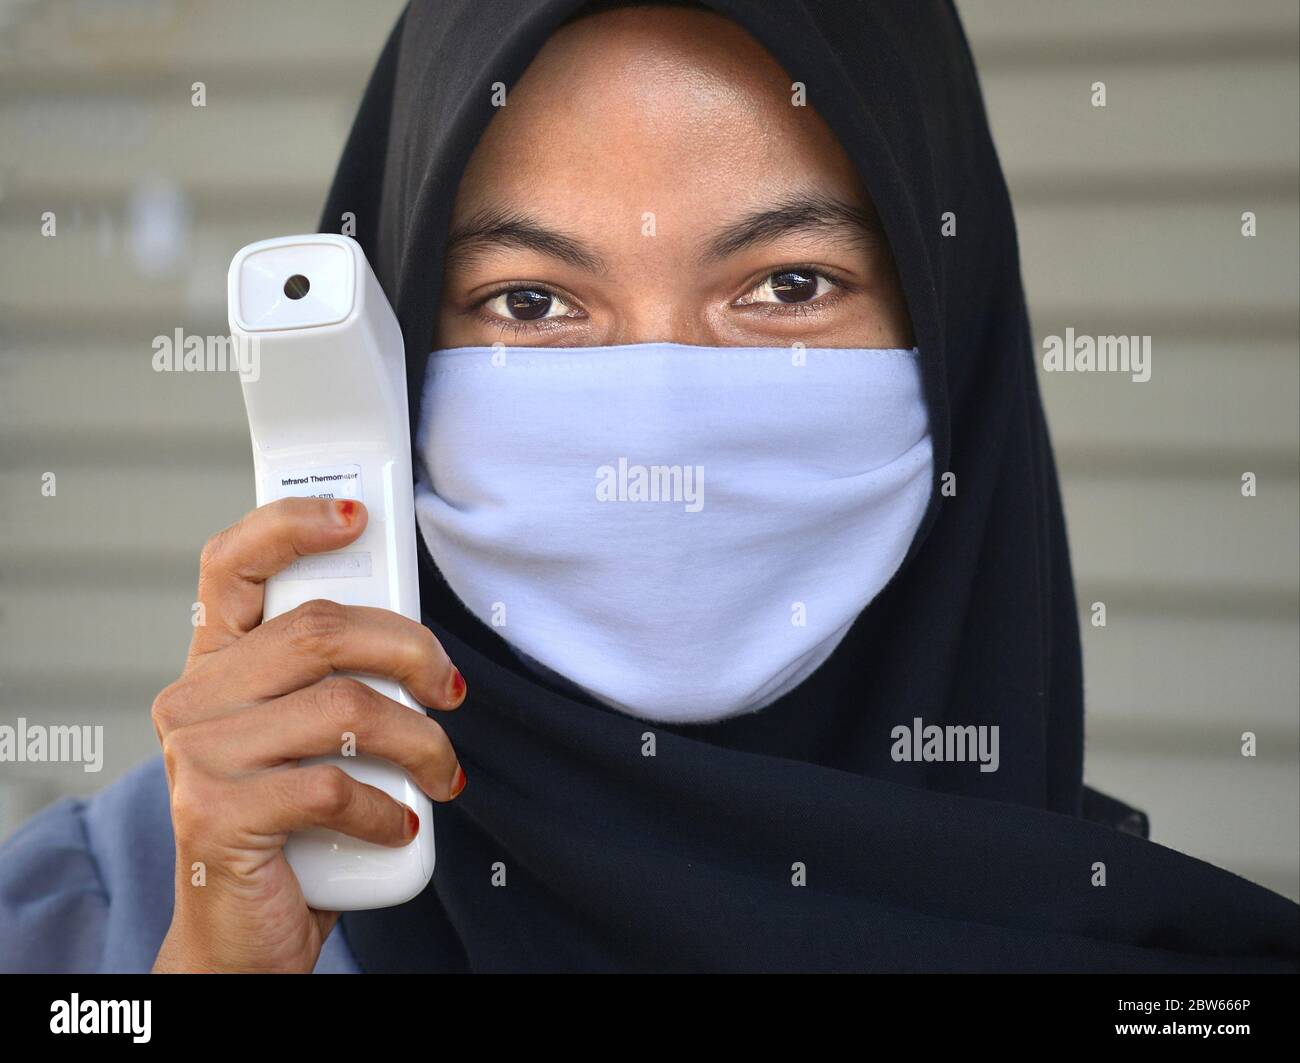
256, 697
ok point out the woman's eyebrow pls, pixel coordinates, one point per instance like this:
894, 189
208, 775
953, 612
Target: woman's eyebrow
505, 228
813, 213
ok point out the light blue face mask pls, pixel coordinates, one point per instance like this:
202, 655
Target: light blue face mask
686, 533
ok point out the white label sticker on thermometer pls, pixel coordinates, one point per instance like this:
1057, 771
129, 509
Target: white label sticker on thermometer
322, 481
329, 566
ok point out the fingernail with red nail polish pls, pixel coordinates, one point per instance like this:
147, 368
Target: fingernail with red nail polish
457, 685
412, 823
459, 783
345, 510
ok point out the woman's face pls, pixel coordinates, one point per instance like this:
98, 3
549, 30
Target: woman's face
651, 179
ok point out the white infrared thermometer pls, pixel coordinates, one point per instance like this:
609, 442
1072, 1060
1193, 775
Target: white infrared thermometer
323, 369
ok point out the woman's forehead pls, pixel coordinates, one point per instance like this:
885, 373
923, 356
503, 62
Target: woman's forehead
638, 108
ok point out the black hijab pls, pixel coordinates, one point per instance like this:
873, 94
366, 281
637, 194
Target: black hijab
570, 849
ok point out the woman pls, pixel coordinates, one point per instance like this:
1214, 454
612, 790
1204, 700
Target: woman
754, 489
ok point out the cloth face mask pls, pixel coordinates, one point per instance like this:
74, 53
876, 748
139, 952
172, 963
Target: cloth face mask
686, 533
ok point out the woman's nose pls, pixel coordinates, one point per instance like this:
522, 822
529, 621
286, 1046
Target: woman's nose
662, 322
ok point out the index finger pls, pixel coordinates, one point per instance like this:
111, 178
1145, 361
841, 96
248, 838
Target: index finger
237, 562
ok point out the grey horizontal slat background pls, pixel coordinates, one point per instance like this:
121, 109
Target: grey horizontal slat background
1129, 222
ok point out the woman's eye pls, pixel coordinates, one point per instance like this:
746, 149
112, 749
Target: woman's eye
527, 304
790, 286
